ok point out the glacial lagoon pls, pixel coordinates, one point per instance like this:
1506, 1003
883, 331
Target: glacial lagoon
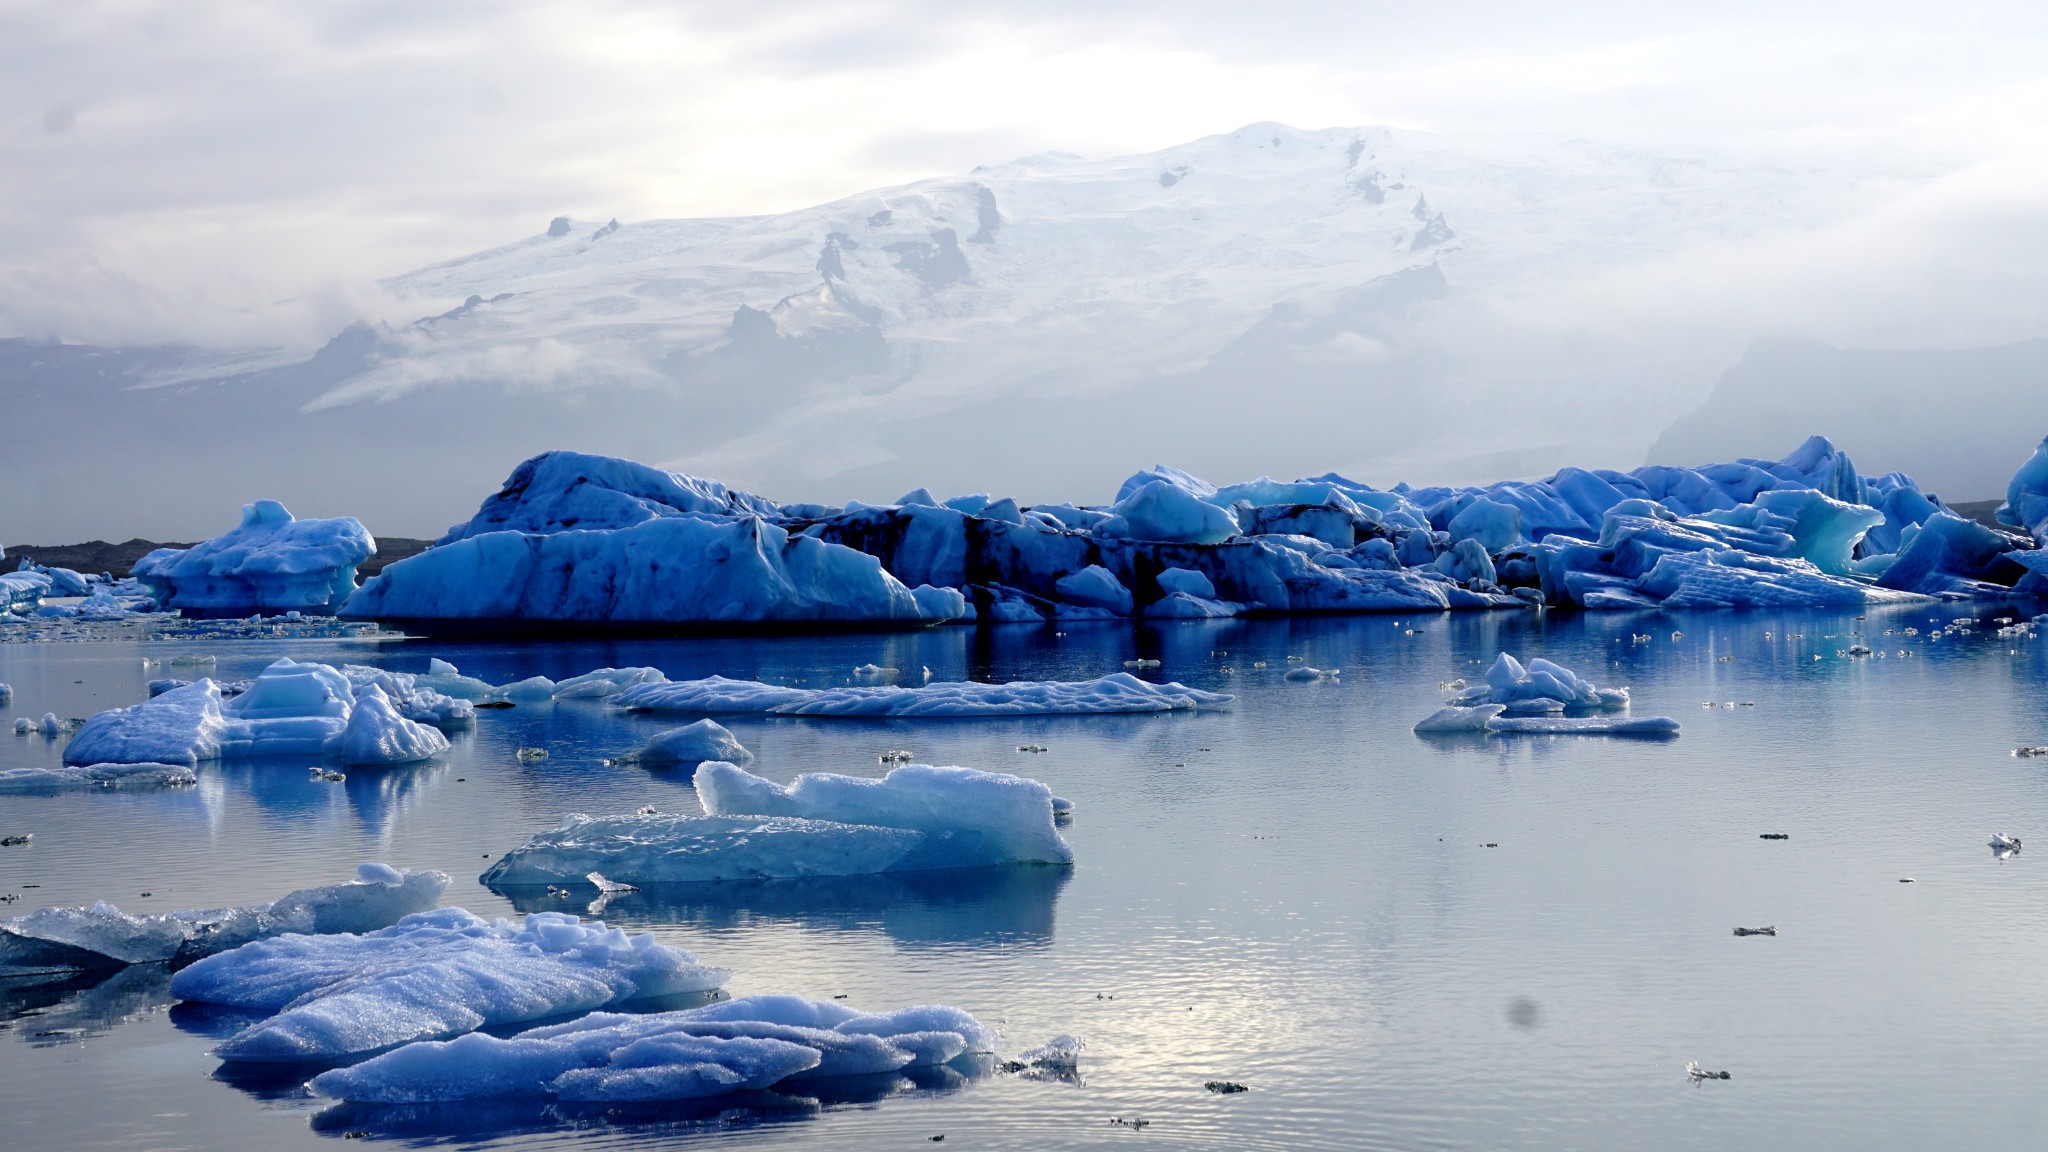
1391, 940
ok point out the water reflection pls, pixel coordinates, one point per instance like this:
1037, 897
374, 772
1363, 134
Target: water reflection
64, 1008
1010, 905
286, 786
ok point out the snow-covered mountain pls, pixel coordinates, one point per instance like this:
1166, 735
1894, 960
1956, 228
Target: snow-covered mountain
1267, 301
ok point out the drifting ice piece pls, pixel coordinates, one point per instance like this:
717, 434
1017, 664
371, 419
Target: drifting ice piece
271, 564
917, 818
102, 936
1117, 692
1540, 687
704, 740
112, 777
291, 709
990, 817
430, 976
739, 1045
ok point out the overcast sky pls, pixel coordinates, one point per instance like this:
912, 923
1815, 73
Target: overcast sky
242, 172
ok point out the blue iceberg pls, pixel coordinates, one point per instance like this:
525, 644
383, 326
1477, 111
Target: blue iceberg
269, 565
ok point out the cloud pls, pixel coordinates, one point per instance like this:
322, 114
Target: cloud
236, 173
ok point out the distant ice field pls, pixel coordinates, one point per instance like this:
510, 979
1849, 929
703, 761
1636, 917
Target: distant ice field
1393, 941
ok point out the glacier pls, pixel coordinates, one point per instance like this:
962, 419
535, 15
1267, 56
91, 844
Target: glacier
102, 936
269, 564
576, 543
1117, 692
430, 976
737, 1045
916, 818
352, 713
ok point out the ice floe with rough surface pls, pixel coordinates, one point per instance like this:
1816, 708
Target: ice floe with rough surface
917, 818
1115, 693
359, 715
745, 1044
1542, 686
102, 936
1488, 719
431, 976
271, 563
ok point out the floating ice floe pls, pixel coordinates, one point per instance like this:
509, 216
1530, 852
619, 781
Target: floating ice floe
269, 564
1540, 687
1487, 718
917, 818
356, 714
102, 936
1118, 692
108, 777
430, 976
738, 1045
704, 740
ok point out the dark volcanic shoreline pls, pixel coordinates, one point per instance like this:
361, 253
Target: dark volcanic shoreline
100, 556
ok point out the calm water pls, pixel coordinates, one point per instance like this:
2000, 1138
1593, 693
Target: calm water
1296, 893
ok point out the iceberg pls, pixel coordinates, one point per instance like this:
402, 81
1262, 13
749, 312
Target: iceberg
1115, 693
22, 592
270, 564
355, 714
738, 1045
917, 818
558, 491
431, 976
102, 936
673, 573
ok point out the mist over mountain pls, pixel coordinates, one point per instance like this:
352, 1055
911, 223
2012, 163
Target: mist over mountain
1392, 304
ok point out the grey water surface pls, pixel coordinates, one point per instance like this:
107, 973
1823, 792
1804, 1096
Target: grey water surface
1507, 942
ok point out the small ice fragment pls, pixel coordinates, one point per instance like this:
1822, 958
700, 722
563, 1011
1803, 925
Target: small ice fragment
2023, 750
383, 874
1141, 662
16, 841
1059, 1054
894, 756
608, 887
1030, 747
1305, 674
1225, 1087
24, 726
51, 726
873, 672
1061, 806
1766, 930
1697, 1073
529, 755
1774, 835
2005, 843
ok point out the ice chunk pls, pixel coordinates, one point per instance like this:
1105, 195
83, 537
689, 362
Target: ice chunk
1161, 510
1587, 725
917, 818
446, 679
377, 734
606, 682
988, 817
532, 690
112, 777
1492, 524
22, 591
430, 976
270, 564
1509, 683
2026, 498
704, 740
738, 1045
1453, 718
58, 939
1095, 587
290, 709
1118, 692
1187, 583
